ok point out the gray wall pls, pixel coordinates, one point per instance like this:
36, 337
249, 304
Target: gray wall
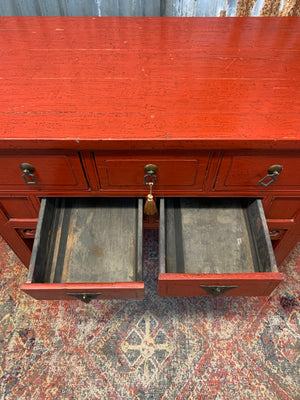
152, 8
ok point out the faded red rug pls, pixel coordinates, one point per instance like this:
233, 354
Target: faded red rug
157, 348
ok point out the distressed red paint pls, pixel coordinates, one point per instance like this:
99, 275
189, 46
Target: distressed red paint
89, 101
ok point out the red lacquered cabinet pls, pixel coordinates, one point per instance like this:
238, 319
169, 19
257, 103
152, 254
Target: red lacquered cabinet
209, 106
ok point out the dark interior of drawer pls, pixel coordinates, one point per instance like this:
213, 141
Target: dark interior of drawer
222, 235
88, 240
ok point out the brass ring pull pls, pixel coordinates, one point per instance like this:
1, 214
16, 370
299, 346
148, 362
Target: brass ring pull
151, 176
28, 174
273, 173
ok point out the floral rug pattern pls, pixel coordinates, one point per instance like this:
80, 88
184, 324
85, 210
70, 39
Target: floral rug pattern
157, 348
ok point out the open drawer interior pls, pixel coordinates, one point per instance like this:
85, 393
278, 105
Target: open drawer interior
85, 246
215, 246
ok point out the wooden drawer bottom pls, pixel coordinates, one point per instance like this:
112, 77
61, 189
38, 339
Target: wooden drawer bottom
92, 248
87, 248
215, 247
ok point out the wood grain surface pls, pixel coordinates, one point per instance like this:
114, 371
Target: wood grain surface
153, 80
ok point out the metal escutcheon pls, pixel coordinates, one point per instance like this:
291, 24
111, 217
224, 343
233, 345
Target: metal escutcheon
273, 172
216, 291
150, 169
85, 297
28, 174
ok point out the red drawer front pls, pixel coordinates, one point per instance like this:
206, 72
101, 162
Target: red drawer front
188, 285
99, 291
173, 173
245, 172
50, 171
18, 207
284, 208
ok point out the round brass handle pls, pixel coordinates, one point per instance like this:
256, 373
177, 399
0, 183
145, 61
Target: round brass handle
25, 167
150, 169
28, 174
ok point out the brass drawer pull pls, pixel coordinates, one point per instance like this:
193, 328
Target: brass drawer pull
28, 232
150, 206
28, 174
276, 234
85, 297
273, 172
150, 170
216, 291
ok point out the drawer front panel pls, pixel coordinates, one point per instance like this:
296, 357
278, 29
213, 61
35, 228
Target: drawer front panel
85, 292
18, 207
60, 172
87, 247
243, 172
128, 173
284, 208
215, 285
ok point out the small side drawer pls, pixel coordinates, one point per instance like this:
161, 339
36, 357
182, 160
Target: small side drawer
284, 208
215, 247
18, 207
249, 172
45, 171
87, 248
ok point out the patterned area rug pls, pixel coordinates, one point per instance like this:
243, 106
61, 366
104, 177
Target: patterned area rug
157, 348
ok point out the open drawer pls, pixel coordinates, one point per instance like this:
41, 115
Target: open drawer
87, 248
215, 247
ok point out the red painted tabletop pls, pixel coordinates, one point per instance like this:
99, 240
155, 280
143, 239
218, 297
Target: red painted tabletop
155, 82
